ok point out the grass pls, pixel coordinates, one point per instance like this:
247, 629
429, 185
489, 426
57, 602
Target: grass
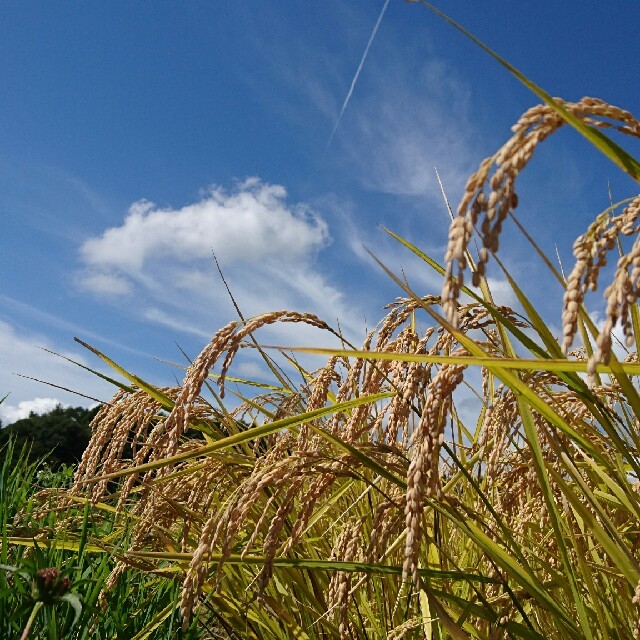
359, 500
39, 534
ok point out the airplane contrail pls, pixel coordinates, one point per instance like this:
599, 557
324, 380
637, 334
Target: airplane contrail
359, 69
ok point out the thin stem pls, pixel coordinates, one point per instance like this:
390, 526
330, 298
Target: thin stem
36, 607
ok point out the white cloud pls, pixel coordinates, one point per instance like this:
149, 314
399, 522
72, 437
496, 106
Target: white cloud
25, 408
21, 354
106, 283
502, 293
153, 314
159, 262
250, 224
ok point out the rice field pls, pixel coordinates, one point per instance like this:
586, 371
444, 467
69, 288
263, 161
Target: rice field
357, 500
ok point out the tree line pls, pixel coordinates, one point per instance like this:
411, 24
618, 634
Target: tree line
60, 435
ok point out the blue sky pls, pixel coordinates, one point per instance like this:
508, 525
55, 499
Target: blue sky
137, 138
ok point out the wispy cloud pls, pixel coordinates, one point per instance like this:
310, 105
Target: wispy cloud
51, 321
49, 199
159, 260
22, 354
405, 126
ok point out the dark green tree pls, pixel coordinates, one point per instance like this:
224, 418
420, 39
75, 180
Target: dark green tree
60, 436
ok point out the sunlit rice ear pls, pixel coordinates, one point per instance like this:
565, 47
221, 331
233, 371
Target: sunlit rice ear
490, 197
423, 476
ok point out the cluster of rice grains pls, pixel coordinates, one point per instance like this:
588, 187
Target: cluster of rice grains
296, 493
490, 198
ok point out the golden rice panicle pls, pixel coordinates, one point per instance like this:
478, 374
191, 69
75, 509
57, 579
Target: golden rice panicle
321, 383
410, 380
387, 521
344, 583
423, 477
490, 198
220, 524
143, 451
272, 540
365, 378
253, 324
134, 425
320, 386
204, 490
356, 373
359, 376
126, 420
194, 579
407, 628
498, 429
259, 525
620, 294
102, 427
590, 251
248, 493
227, 340
400, 313
337, 552
410, 385
221, 528
317, 488
167, 436
347, 549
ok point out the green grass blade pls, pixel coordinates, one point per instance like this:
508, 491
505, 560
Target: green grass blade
556, 365
319, 564
153, 392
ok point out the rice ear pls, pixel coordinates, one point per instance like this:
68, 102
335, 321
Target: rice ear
489, 198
